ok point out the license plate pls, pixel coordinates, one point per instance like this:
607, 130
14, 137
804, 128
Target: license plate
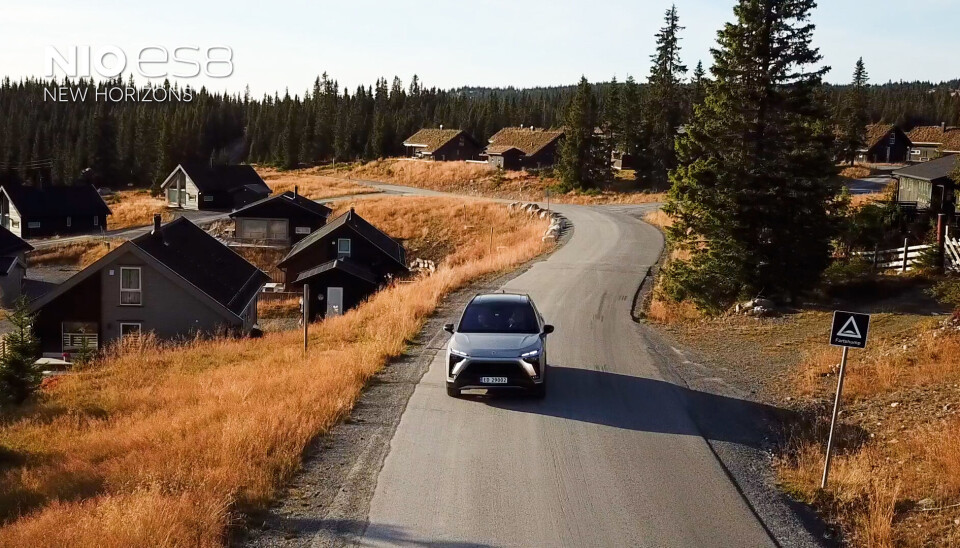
493, 380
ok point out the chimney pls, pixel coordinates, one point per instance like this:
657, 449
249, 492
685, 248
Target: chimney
156, 224
296, 190
943, 126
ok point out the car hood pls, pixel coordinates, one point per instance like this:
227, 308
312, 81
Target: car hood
494, 345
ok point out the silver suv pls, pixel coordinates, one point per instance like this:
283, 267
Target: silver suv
500, 342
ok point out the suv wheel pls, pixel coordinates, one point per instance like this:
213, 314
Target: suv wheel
539, 391
453, 392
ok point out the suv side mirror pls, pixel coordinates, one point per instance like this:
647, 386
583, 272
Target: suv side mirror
547, 329
448, 327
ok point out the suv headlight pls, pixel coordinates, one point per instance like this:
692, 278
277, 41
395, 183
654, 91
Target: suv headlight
530, 354
456, 352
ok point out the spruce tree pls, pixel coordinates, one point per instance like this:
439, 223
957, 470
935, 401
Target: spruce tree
664, 111
19, 377
698, 87
584, 160
854, 117
752, 197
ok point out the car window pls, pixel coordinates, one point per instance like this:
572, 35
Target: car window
499, 317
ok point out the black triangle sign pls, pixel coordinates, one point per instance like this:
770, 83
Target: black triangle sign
849, 329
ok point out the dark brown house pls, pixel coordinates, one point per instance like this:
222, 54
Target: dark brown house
929, 186
202, 186
524, 148
932, 142
343, 263
442, 145
283, 219
13, 267
39, 212
176, 281
885, 144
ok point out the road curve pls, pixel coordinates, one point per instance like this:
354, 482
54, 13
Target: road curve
611, 457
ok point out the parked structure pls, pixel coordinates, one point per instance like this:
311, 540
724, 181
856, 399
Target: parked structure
283, 219
523, 148
38, 212
13, 267
342, 263
932, 142
176, 281
443, 145
885, 144
216, 187
928, 186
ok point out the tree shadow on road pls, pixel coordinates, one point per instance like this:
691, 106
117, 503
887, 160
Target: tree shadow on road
355, 533
649, 405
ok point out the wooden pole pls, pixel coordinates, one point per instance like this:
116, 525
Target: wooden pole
306, 316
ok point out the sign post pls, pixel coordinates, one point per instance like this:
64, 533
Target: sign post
306, 315
548, 199
849, 330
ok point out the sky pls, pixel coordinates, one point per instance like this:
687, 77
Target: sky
282, 44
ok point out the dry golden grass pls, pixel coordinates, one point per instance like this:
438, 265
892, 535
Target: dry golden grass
161, 445
855, 172
311, 182
131, 208
79, 254
658, 219
285, 307
482, 180
904, 397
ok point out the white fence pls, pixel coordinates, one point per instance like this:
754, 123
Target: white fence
951, 252
899, 258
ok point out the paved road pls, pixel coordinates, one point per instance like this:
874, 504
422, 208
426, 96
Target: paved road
611, 457
869, 185
199, 217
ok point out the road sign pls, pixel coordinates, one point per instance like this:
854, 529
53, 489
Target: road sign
849, 329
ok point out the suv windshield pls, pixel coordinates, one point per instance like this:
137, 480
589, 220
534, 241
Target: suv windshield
499, 317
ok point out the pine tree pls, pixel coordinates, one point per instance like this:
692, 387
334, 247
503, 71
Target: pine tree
854, 118
752, 197
19, 376
698, 87
584, 158
665, 109
634, 139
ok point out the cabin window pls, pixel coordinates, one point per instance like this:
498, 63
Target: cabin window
96, 221
343, 248
208, 198
915, 152
33, 224
15, 223
173, 196
131, 293
69, 222
893, 138
129, 329
302, 230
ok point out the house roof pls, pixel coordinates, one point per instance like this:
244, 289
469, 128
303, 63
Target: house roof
501, 149
203, 261
529, 141
932, 170
11, 244
877, 133
350, 267
949, 137
287, 199
56, 201
221, 178
372, 234
432, 139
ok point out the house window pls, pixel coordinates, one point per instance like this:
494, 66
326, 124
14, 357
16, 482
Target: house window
15, 224
302, 230
172, 196
69, 222
96, 221
343, 248
131, 293
915, 152
208, 198
33, 224
893, 138
129, 329
79, 336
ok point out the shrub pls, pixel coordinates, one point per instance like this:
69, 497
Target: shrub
844, 271
948, 293
19, 377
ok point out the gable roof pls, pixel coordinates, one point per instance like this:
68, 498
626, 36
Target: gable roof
530, 141
224, 178
932, 170
501, 149
877, 133
11, 244
287, 199
390, 247
190, 256
432, 139
202, 260
56, 201
350, 267
948, 137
